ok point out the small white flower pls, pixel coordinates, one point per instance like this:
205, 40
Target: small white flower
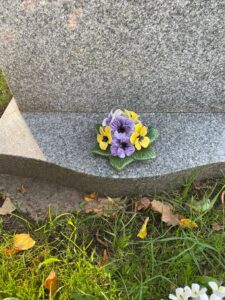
181, 294
214, 297
218, 291
197, 292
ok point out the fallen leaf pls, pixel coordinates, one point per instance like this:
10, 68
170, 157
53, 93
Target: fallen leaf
166, 210
11, 251
202, 206
222, 198
21, 189
7, 207
143, 232
91, 197
106, 207
105, 258
217, 227
187, 223
51, 283
23, 241
143, 203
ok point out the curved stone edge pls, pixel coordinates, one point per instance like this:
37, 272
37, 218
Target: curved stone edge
103, 185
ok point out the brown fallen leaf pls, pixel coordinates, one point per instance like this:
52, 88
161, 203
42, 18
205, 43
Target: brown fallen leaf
23, 241
7, 207
21, 189
107, 207
51, 283
217, 227
222, 198
166, 210
187, 223
90, 197
142, 203
11, 251
105, 258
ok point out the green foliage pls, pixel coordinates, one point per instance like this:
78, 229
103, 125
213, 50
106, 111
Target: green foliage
118, 163
98, 151
5, 93
145, 154
138, 269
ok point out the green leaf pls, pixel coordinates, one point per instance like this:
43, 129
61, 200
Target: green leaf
48, 261
153, 134
145, 154
98, 151
97, 126
120, 163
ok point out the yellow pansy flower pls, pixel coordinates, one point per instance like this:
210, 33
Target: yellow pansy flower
104, 137
139, 138
143, 232
131, 115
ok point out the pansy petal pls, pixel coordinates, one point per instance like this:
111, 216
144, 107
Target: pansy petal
101, 130
172, 297
133, 137
103, 145
137, 145
99, 138
143, 131
138, 128
145, 142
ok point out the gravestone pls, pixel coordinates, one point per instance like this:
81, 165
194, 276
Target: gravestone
68, 63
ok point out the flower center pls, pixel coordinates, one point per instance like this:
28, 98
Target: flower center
140, 137
121, 129
105, 139
123, 145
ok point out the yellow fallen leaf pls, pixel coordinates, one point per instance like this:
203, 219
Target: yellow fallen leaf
7, 207
90, 197
187, 223
166, 210
23, 241
105, 258
143, 232
51, 283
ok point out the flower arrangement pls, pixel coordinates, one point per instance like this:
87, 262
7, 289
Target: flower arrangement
124, 139
197, 293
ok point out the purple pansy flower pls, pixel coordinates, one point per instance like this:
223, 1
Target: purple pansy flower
107, 120
122, 125
121, 146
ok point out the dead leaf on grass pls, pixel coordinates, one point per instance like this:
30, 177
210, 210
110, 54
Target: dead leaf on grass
23, 241
222, 198
51, 283
143, 232
99, 240
142, 203
107, 207
90, 197
166, 210
105, 258
7, 207
187, 223
21, 189
217, 227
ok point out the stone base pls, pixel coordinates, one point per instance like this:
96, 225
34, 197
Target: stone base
57, 147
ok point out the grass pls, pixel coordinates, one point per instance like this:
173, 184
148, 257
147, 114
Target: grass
5, 93
150, 269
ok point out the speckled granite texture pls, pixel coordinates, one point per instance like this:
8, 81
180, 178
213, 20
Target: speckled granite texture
188, 142
88, 55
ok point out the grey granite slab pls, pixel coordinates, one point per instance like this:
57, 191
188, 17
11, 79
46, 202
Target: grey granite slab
151, 56
62, 142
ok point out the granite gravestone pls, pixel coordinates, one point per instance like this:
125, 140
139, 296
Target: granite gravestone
68, 62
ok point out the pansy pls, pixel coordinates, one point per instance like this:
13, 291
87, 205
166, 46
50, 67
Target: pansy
139, 138
111, 116
121, 146
217, 290
104, 137
131, 115
122, 125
